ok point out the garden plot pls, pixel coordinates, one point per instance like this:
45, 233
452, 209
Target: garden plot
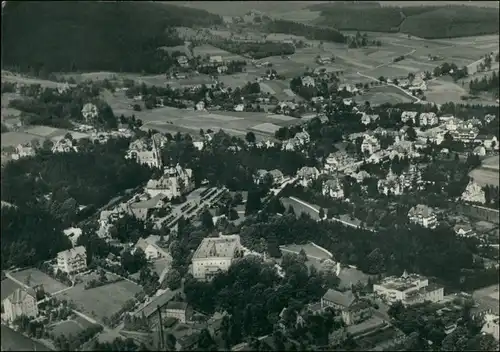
266, 128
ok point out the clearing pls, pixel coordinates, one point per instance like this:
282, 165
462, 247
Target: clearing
383, 94
34, 277
102, 301
487, 173
311, 250
68, 328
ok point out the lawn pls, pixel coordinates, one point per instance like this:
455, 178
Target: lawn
300, 208
311, 251
70, 327
102, 301
12, 139
33, 277
383, 94
8, 286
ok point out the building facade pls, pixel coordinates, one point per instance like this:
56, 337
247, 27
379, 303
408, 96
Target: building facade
20, 302
179, 310
423, 216
408, 289
72, 260
214, 255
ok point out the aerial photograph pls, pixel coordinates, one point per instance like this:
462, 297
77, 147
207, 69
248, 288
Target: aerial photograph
250, 176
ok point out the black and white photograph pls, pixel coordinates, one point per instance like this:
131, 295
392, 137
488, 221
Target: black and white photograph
250, 176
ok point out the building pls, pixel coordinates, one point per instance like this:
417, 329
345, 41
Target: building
423, 215
445, 118
90, 112
183, 61
277, 177
22, 302
239, 107
466, 135
474, 193
260, 176
479, 150
23, 151
142, 208
333, 188
491, 325
72, 260
150, 248
370, 145
217, 59
307, 175
322, 60
488, 141
214, 255
308, 81
353, 309
63, 145
463, 230
200, 106
428, 119
73, 233
179, 310
409, 289
175, 182
409, 115
222, 69
145, 152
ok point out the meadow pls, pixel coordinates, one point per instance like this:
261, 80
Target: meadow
34, 277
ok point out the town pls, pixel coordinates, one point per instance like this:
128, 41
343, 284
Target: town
255, 192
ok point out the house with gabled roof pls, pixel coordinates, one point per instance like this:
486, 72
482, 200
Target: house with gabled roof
21, 302
352, 308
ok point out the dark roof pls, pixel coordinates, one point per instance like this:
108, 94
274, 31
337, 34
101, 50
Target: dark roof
177, 305
343, 299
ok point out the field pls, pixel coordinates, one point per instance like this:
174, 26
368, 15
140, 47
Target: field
311, 251
33, 277
383, 94
172, 120
101, 301
486, 174
69, 327
300, 208
206, 49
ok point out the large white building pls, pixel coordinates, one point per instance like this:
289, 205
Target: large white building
214, 254
72, 260
20, 302
423, 215
174, 182
370, 145
409, 289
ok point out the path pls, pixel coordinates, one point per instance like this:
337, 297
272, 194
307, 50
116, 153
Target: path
417, 100
331, 219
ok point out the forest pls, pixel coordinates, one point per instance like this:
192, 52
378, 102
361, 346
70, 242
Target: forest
485, 84
60, 37
303, 30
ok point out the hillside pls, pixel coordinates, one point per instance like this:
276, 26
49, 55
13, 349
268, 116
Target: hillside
452, 21
430, 22
70, 36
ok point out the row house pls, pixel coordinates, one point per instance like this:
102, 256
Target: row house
428, 119
465, 135
423, 216
307, 175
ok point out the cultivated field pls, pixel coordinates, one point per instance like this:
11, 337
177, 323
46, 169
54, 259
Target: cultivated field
488, 173
34, 277
101, 301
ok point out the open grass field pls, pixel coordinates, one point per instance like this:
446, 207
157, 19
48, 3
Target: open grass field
487, 173
69, 328
311, 251
7, 287
102, 301
383, 94
33, 277
22, 80
206, 49
300, 208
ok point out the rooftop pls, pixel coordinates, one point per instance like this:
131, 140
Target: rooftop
72, 252
19, 295
177, 305
344, 299
217, 247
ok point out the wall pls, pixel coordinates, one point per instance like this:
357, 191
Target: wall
482, 213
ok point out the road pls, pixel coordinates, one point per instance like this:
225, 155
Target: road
331, 219
242, 345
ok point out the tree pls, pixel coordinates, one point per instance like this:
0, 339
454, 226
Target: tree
173, 279
250, 137
206, 220
254, 203
321, 213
